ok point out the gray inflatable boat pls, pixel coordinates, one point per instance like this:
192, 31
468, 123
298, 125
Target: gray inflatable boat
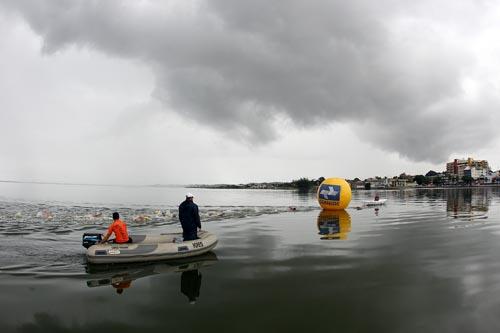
151, 248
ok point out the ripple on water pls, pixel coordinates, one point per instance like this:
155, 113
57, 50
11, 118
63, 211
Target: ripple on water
46, 238
17, 219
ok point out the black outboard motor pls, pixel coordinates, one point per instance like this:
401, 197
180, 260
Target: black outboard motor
90, 239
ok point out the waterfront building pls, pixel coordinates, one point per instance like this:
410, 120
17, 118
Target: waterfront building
378, 183
475, 173
356, 184
399, 182
467, 167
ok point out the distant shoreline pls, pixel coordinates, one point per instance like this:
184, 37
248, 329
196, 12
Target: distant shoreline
247, 187
252, 186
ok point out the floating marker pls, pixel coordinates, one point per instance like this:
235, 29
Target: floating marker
334, 194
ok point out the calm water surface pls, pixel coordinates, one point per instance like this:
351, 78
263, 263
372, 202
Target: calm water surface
427, 261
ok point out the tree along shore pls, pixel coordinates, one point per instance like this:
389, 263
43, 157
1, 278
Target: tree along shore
305, 185
301, 184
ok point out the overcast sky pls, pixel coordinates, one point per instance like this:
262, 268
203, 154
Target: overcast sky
225, 91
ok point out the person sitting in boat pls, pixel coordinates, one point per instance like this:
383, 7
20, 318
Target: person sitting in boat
119, 228
376, 197
190, 218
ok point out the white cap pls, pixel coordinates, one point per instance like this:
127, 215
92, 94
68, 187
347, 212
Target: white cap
189, 195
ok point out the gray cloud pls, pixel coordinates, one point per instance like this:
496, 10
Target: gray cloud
391, 70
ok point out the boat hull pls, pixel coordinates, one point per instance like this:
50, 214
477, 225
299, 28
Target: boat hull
374, 203
151, 248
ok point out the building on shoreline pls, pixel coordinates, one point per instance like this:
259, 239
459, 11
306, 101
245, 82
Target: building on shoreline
459, 172
467, 167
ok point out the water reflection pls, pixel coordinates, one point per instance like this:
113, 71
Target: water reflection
120, 283
467, 204
334, 224
466, 201
120, 277
191, 284
460, 203
305, 198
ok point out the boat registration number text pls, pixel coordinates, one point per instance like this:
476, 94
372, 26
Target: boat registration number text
197, 245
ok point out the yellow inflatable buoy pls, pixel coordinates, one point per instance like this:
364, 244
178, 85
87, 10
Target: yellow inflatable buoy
334, 194
334, 224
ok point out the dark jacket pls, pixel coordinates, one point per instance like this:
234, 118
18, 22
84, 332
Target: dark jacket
190, 219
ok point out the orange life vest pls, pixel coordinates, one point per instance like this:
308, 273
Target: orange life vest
119, 228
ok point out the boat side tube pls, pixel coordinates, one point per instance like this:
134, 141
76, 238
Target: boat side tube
165, 247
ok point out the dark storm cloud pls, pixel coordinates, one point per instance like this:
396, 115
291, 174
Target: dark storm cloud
244, 66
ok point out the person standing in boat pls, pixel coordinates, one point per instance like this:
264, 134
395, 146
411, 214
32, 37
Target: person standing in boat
190, 218
119, 228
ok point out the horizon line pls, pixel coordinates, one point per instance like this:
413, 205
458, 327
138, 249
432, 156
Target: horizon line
87, 184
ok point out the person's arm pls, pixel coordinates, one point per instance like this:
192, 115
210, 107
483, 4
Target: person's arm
108, 234
197, 217
105, 239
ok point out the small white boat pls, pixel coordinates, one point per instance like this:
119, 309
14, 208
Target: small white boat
378, 202
151, 248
